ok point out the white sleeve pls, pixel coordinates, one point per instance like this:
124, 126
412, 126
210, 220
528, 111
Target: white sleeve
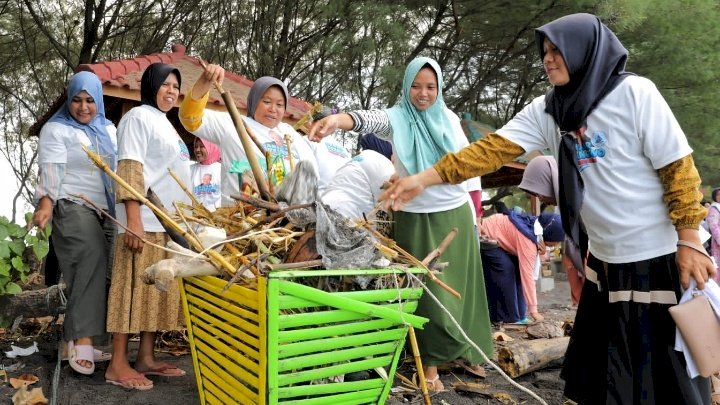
52, 147
133, 132
662, 139
530, 126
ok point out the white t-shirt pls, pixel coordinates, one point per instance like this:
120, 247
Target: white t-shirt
206, 184
442, 197
331, 156
630, 135
145, 135
61, 143
355, 188
217, 127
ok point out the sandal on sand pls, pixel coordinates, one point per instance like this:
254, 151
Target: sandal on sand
476, 370
434, 384
126, 382
164, 370
99, 356
81, 353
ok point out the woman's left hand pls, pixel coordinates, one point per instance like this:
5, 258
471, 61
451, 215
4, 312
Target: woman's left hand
692, 263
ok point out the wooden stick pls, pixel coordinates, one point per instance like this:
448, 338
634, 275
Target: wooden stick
393, 245
288, 143
256, 202
215, 257
298, 265
419, 366
429, 259
244, 139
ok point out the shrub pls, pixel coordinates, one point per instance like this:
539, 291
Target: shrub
20, 247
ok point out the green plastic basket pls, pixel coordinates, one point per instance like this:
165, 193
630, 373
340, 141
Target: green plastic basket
283, 342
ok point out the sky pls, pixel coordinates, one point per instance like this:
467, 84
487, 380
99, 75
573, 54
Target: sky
8, 188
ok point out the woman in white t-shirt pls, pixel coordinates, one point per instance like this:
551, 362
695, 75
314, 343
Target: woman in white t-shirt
81, 236
148, 145
422, 129
626, 169
266, 104
205, 174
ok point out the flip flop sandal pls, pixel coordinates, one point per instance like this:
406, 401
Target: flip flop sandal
480, 372
162, 371
125, 382
81, 353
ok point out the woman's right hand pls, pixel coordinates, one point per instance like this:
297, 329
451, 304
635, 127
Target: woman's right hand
212, 74
43, 213
323, 127
131, 241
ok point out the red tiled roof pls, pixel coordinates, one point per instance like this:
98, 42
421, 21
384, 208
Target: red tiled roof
121, 78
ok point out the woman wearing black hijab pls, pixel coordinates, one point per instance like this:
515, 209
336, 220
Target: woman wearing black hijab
628, 173
148, 145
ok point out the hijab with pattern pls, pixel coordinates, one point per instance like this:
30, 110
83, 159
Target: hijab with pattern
421, 138
595, 61
153, 77
96, 129
258, 90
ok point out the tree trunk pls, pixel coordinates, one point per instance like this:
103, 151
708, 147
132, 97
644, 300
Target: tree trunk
525, 356
31, 304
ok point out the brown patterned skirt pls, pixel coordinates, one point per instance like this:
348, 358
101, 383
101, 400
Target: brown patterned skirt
134, 306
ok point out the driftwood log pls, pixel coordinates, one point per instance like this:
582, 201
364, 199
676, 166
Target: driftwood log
31, 303
522, 357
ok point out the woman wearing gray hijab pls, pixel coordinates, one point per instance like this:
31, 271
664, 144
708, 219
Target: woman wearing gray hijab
540, 179
266, 105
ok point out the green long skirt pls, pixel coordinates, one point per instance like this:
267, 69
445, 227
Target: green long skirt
441, 341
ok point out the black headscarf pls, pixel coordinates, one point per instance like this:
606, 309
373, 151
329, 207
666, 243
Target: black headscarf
153, 77
259, 88
595, 61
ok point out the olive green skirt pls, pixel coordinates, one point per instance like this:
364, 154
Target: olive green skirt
441, 341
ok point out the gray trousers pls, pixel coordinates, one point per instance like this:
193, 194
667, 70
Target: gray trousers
83, 243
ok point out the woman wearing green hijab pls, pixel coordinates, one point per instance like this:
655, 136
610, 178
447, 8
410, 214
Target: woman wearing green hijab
422, 129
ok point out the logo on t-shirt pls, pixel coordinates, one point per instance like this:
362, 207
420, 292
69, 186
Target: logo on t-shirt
591, 149
184, 151
336, 150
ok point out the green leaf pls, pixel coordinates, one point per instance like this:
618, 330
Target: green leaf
28, 217
18, 264
31, 239
4, 249
3, 231
17, 247
4, 270
12, 289
17, 231
41, 249
47, 231
24, 277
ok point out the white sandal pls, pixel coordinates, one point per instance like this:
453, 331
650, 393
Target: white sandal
81, 353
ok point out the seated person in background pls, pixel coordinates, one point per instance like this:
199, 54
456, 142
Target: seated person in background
205, 174
517, 252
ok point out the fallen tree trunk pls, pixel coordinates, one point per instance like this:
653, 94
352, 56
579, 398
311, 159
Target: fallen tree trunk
523, 357
31, 304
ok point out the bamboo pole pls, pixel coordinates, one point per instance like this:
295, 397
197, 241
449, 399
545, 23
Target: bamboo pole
419, 366
214, 256
244, 139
